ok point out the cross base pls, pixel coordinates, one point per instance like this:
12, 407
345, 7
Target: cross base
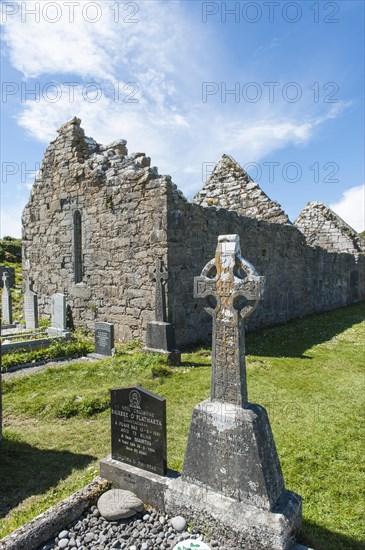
160, 336
231, 451
234, 524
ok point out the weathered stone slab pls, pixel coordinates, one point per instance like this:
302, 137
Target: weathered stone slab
58, 316
138, 426
118, 504
30, 308
149, 487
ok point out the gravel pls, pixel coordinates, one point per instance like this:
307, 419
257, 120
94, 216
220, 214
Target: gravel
147, 530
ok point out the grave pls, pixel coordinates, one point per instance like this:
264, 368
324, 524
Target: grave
6, 301
104, 340
231, 484
160, 335
138, 427
58, 328
30, 307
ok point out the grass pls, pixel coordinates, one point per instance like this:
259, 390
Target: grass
309, 374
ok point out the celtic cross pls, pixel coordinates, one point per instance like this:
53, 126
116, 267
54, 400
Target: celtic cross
223, 280
160, 275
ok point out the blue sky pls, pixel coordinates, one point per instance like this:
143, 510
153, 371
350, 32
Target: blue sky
278, 85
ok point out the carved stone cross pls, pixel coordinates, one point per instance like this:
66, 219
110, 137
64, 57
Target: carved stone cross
160, 275
29, 285
6, 284
223, 280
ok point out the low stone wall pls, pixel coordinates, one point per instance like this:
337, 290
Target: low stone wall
38, 531
27, 345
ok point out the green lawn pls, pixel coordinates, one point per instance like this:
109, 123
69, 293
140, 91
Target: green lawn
309, 374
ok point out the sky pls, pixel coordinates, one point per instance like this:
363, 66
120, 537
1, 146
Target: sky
278, 85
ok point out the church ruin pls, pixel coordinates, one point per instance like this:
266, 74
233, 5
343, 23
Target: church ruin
98, 219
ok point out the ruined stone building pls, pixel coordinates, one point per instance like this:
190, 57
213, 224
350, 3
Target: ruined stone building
98, 218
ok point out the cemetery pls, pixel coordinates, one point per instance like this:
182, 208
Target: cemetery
177, 391
155, 453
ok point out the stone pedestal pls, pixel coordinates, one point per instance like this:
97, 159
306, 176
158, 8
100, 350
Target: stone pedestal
231, 451
160, 338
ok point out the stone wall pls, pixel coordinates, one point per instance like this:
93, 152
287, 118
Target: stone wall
323, 227
129, 215
300, 279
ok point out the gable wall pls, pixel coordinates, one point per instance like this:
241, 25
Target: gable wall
123, 229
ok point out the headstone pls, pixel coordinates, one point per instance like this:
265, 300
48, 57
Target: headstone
30, 307
104, 339
160, 335
6, 301
138, 425
58, 326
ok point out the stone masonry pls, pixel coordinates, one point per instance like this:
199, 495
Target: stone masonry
323, 227
99, 218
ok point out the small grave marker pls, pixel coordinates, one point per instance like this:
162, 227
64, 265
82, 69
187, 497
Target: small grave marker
104, 339
138, 423
6, 301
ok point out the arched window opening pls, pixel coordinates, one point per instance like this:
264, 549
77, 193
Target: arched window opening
77, 247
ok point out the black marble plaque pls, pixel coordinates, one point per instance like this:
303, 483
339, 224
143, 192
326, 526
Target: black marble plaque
138, 422
104, 339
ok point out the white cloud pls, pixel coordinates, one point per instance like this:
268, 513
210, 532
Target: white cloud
168, 55
173, 139
351, 207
